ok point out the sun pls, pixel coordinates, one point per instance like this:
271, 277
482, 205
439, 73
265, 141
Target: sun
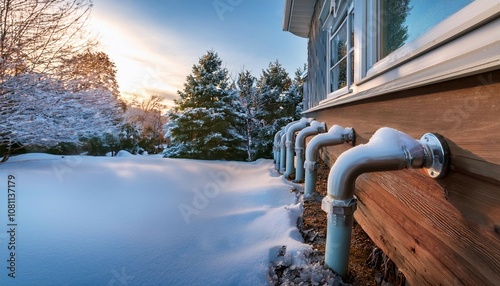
140, 70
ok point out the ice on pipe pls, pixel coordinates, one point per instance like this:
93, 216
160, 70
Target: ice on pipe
336, 129
390, 136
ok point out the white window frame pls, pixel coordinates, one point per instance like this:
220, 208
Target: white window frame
340, 13
465, 43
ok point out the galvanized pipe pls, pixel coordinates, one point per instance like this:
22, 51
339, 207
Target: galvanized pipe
300, 143
335, 135
283, 146
387, 150
282, 153
276, 149
290, 134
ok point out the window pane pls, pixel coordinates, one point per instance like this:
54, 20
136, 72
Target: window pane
403, 21
339, 75
338, 44
341, 39
333, 53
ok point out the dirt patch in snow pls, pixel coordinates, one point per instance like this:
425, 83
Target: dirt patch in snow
367, 264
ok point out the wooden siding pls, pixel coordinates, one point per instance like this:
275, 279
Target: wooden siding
316, 81
438, 232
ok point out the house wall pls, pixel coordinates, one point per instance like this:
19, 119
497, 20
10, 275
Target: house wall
438, 232
316, 62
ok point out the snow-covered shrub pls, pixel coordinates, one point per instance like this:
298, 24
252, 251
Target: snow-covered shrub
38, 111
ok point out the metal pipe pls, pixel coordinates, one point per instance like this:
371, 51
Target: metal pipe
300, 143
387, 150
276, 149
282, 153
290, 134
335, 135
282, 146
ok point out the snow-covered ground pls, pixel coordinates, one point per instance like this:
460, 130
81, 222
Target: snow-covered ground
143, 220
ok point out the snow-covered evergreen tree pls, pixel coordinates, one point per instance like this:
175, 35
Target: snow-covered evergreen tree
207, 119
274, 108
292, 102
246, 85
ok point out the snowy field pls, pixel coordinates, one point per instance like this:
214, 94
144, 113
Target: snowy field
142, 220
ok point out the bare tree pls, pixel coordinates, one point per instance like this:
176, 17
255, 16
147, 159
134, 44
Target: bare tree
90, 70
35, 35
145, 114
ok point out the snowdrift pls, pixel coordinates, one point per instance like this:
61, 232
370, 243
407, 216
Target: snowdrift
137, 220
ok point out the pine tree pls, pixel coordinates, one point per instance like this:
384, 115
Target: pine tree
207, 119
246, 85
274, 108
292, 102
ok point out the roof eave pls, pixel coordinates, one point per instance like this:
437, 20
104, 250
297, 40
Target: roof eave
297, 17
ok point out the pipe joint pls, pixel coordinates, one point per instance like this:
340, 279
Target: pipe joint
339, 207
299, 151
288, 144
311, 166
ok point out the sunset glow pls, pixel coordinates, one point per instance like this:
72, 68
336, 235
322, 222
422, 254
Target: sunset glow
154, 44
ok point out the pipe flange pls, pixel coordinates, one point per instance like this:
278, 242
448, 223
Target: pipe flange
348, 135
439, 157
322, 127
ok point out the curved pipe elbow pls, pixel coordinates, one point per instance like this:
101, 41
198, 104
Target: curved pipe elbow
313, 129
297, 126
335, 135
387, 150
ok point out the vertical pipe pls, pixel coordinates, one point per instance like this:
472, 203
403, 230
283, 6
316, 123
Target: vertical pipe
276, 149
300, 143
283, 146
387, 150
335, 135
282, 153
290, 136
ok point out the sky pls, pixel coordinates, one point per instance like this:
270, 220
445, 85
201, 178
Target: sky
155, 43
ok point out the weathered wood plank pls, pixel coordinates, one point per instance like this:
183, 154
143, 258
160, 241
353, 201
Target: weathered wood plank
466, 112
437, 231
394, 200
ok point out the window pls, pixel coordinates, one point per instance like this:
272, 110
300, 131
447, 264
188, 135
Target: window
403, 21
341, 54
374, 47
